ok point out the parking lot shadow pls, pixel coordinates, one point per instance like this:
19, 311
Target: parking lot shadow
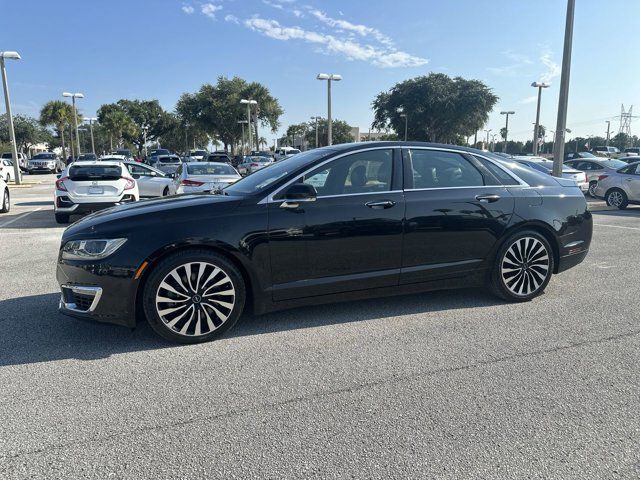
33, 331
35, 219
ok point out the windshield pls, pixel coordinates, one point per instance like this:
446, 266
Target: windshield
198, 153
210, 169
94, 172
169, 160
160, 152
44, 156
7, 155
615, 164
265, 177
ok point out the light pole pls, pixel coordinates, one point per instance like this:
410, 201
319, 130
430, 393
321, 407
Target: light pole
506, 129
487, 130
493, 141
75, 116
242, 122
7, 101
400, 110
608, 132
539, 86
93, 144
316, 120
563, 100
248, 103
329, 78
145, 131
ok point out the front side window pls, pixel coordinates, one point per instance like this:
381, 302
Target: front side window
438, 169
364, 172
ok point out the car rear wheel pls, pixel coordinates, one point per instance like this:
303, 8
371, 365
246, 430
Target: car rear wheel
165, 192
6, 203
62, 218
592, 189
193, 296
617, 198
523, 267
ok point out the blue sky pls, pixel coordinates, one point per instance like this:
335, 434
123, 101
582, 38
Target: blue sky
162, 48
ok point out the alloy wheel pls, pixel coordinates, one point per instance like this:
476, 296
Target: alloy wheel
525, 266
592, 189
615, 198
195, 298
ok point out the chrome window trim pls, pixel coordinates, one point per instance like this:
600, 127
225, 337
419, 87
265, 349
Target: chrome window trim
270, 198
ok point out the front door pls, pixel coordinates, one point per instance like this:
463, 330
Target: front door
456, 210
350, 237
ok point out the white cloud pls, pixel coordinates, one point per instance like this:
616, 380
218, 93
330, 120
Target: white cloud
553, 69
188, 9
347, 47
361, 30
209, 9
273, 5
530, 99
231, 18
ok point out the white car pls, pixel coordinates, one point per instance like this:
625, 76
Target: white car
48, 162
620, 187
285, 151
151, 181
113, 158
254, 163
546, 166
22, 159
5, 197
193, 177
168, 163
6, 170
87, 187
196, 156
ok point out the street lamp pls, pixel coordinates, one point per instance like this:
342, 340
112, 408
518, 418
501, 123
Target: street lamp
93, 144
539, 86
506, 129
243, 122
329, 78
487, 130
75, 116
7, 101
608, 131
248, 103
400, 110
316, 120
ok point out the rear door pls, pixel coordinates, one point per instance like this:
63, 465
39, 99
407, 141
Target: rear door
631, 182
150, 183
456, 210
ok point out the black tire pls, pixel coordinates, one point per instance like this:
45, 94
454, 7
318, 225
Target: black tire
617, 198
191, 308
8, 178
510, 274
62, 218
6, 202
592, 189
165, 192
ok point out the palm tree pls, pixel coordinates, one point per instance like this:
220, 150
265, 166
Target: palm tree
58, 114
118, 123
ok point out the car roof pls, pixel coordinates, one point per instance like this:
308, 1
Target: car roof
84, 163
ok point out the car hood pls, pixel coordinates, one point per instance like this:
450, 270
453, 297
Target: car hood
151, 211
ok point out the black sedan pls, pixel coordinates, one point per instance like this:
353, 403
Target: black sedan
334, 223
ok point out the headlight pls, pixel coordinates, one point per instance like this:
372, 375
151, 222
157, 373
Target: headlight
91, 249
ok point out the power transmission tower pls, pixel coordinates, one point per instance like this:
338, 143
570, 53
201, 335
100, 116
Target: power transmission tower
625, 121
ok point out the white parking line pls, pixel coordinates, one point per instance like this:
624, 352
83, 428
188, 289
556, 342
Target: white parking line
616, 226
19, 217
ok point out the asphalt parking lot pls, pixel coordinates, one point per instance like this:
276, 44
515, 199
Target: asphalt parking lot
441, 385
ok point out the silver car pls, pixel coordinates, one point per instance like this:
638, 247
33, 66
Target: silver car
621, 187
168, 163
194, 177
594, 168
253, 163
546, 166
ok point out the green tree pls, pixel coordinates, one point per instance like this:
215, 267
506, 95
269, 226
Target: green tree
116, 121
145, 113
216, 109
438, 108
28, 131
59, 115
340, 132
179, 136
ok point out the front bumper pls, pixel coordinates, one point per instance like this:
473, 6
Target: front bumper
97, 292
584, 187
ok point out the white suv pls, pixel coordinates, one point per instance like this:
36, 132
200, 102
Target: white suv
90, 186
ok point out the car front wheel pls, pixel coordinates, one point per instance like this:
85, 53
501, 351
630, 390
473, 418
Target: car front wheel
193, 296
6, 203
523, 267
592, 189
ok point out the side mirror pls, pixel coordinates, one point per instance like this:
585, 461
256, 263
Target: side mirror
299, 192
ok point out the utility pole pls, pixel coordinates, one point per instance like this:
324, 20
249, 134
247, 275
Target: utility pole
506, 129
243, 122
487, 130
536, 134
7, 102
329, 78
93, 143
608, 132
75, 116
563, 100
248, 103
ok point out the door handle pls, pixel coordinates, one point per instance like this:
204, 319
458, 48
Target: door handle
489, 198
381, 204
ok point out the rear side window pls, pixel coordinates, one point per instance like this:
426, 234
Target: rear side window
438, 169
498, 172
95, 172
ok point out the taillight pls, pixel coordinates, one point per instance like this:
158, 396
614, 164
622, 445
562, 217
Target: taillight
60, 184
131, 183
191, 183
602, 177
